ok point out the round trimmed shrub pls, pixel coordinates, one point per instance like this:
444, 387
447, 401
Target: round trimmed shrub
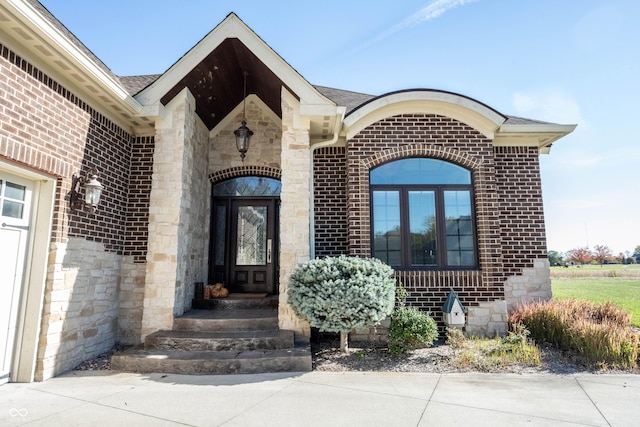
338, 294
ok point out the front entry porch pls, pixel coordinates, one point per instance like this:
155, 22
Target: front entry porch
236, 335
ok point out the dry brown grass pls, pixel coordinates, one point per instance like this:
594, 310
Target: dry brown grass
602, 333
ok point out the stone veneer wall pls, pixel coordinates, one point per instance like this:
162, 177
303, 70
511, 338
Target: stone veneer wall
534, 284
295, 207
47, 127
175, 258
193, 248
265, 146
80, 306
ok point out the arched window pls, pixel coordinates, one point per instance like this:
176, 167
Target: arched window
422, 215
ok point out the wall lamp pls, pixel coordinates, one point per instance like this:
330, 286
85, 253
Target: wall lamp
92, 191
243, 133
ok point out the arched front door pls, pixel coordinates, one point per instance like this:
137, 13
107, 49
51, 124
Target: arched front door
244, 234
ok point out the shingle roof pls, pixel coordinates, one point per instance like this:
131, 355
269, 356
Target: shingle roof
513, 120
345, 98
134, 84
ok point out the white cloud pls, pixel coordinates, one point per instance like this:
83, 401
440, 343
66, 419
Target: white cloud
554, 106
431, 11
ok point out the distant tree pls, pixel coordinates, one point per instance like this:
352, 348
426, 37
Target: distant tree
555, 258
602, 253
637, 250
580, 255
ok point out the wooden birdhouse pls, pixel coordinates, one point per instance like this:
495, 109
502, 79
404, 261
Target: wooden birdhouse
453, 312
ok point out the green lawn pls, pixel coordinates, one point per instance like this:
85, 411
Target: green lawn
623, 292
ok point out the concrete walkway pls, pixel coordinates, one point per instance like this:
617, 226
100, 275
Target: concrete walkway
110, 398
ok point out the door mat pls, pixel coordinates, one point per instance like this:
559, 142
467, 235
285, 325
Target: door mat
248, 295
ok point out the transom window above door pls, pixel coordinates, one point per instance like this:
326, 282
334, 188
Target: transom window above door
422, 215
248, 186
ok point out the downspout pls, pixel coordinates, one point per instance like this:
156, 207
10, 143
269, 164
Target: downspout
327, 143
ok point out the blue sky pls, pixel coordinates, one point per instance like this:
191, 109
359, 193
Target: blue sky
563, 61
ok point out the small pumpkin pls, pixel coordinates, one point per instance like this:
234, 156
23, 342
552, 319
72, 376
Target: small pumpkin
219, 291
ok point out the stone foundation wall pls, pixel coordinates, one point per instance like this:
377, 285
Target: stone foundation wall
374, 334
487, 319
80, 313
534, 284
131, 300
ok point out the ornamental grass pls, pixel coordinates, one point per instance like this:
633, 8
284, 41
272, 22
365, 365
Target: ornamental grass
602, 333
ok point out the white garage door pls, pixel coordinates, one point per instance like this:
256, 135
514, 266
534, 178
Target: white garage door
15, 206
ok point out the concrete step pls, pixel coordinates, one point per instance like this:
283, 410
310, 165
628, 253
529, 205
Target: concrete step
236, 302
220, 341
235, 337
227, 320
138, 360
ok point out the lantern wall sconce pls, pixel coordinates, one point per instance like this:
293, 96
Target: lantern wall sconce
92, 191
243, 133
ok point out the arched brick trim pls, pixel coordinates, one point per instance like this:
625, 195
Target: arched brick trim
435, 152
266, 171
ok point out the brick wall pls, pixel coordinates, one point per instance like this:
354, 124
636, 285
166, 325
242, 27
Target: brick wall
46, 127
521, 212
138, 200
330, 201
418, 135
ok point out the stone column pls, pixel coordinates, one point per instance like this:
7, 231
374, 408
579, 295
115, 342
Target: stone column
163, 278
295, 205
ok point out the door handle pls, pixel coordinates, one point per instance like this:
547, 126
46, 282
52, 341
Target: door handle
19, 227
268, 251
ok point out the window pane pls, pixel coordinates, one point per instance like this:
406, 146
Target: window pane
12, 209
248, 186
252, 235
12, 198
419, 171
422, 226
386, 226
221, 227
15, 191
459, 228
